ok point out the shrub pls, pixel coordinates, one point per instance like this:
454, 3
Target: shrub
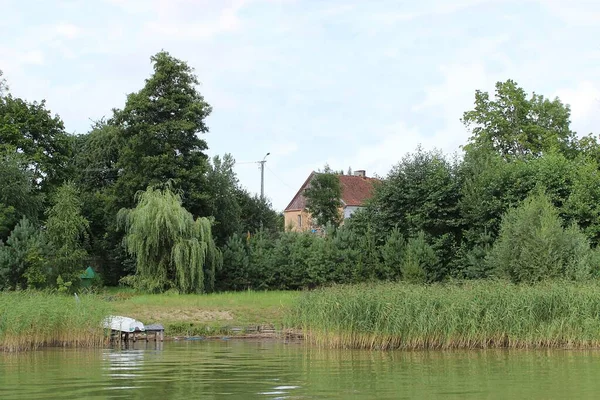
533, 245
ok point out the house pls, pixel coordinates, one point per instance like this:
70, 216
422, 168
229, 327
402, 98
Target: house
356, 190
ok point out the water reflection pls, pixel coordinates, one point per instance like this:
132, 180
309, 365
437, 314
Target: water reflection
274, 370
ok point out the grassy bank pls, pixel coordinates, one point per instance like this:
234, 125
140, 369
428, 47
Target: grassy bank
474, 315
29, 320
187, 315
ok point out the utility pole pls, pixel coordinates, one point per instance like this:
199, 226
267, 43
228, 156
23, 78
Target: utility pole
262, 176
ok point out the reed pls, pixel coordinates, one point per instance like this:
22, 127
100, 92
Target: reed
483, 314
29, 320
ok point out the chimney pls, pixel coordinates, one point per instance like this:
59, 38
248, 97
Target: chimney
360, 172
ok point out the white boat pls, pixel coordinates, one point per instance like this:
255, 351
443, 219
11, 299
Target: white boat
123, 324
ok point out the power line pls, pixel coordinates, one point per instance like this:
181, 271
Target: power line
278, 178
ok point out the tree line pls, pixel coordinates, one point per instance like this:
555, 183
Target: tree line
137, 198
60, 194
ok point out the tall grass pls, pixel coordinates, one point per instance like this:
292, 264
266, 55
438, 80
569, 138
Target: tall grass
481, 314
29, 320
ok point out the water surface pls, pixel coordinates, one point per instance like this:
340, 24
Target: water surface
242, 369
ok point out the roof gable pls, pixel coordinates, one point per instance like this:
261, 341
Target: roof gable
355, 191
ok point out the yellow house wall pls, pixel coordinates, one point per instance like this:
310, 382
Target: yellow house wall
291, 221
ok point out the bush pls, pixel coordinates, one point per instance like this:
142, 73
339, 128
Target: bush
23, 258
419, 261
533, 245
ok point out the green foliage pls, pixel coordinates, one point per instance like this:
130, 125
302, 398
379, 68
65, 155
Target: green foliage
323, 198
484, 314
533, 245
33, 319
97, 154
235, 272
222, 201
421, 193
62, 286
18, 195
515, 125
160, 126
392, 254
172, 249
23, 258
419, 262
66, 230
258, 214
40, 137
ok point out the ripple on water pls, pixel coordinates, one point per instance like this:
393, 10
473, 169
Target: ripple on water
254, 369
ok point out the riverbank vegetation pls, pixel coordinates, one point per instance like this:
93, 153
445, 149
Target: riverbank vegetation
33, 319
192, 315
138, 199
476, 314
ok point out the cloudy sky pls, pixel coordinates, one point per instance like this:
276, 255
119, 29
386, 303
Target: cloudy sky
351, 83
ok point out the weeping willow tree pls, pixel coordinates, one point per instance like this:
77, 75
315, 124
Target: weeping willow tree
172, 250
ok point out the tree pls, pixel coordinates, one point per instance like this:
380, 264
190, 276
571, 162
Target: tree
160, 127
222, 200
97, 155
96, 172
533, 245
257, 214
419, 262
235, 272
421, 193
392, 253
31, 130
515, 125
66, 230
18, 196
23, 259
172, 249
323, 198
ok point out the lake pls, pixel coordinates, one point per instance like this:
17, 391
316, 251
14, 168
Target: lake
270, 369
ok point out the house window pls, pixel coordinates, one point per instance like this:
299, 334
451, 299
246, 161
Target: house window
299, 221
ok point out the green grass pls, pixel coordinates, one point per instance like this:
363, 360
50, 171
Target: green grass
29, 320
473, 315
204, 314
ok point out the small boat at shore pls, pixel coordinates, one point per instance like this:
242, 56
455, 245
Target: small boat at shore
123, 324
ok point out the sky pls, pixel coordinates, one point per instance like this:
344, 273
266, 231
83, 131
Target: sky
351, 83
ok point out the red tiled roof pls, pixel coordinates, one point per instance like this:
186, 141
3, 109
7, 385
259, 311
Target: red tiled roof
355, 191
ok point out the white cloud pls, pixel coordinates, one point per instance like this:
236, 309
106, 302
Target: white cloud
439, 7
68, 31
576, 12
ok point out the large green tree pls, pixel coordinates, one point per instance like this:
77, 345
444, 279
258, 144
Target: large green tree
66, 231
421, 193
533, 245
30, 129
18, 195
515, 124
323, 198
160, 126
24, 257
222, 202
97, 155
172, 249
